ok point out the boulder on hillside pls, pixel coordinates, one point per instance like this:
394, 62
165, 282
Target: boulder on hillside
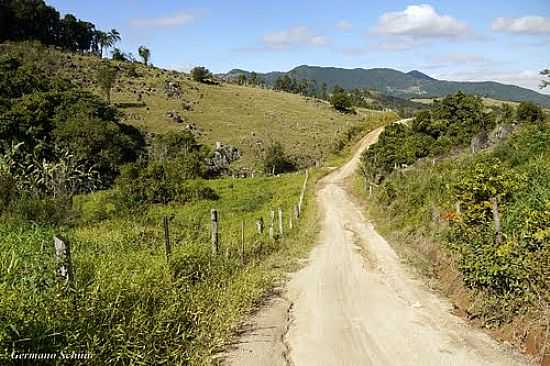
174, 116
221, 158
501, 132
479, 142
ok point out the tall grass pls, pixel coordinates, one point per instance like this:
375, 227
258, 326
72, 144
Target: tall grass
127, 305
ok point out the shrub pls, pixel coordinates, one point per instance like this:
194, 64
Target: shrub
200, 74
159, 182
529, 112
276, 161
341, 101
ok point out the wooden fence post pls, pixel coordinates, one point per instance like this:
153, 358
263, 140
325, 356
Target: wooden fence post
214, 231
63, 259
281, 231
167, 247
260, 226
290, 222
496, 217
242, 243
272, 224
303, 191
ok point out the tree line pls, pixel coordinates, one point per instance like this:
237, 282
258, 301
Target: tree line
22, 20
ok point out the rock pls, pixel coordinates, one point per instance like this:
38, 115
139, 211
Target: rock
221, 158
479, 141
501, 132
174, 116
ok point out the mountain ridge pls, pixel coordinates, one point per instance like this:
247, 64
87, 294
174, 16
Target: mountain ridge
413, 84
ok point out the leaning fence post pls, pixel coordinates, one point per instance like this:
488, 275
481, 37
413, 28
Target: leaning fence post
167, 247
242, 242
271, 224
260, 226
63, 259
281, 232
214, 231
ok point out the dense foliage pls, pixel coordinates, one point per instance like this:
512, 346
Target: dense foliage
276, 161
22, 20
341, 100
510, 264
452, 122
56, 139
201, 74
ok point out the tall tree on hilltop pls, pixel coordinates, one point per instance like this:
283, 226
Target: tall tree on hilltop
145, 54
545, 83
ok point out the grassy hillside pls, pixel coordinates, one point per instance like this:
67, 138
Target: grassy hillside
246, 117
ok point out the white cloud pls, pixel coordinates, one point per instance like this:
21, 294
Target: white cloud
344, 25
420, 21
175, 20
293, 37
460, 59
531, 24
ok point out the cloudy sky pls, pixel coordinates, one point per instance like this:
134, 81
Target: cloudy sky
506, 41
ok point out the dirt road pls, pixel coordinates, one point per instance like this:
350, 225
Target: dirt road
354, 303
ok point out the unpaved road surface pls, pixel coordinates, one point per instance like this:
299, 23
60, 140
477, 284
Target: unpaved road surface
354, 303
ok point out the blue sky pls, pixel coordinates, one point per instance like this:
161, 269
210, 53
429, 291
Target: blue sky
506, 41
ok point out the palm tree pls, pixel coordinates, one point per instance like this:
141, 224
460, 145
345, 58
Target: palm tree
145, 54
107, 40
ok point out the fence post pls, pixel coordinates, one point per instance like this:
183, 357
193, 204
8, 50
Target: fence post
63, 259
167, 247
281, 231
260, 226
290, 222
271, 224
214, 231
303, 191
496, 217
242, 243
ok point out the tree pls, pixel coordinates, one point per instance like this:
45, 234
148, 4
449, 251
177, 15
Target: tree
254, 78
200, 74
106, 78
145, 54
276, 161
341, 100
118, 55
242, 79
545, 83
529, 112
106, 40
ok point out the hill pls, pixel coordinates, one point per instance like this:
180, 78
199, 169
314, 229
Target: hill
159, 101
413, 84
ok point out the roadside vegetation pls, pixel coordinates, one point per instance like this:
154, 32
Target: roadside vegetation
468, 189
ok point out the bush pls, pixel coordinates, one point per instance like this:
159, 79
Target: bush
157, 182
276, 161
200, 74
341, 101
529, 112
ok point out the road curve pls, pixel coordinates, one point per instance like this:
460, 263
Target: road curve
354, 303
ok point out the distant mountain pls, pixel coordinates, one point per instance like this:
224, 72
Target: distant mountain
413, 84
419, 75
